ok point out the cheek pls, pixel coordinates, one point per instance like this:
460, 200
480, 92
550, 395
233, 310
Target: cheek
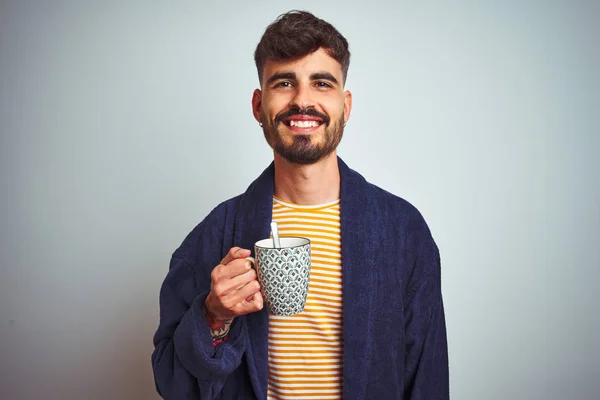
275, 104
335, 113
334, 106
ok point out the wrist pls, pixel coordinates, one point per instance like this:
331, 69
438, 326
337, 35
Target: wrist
219, 327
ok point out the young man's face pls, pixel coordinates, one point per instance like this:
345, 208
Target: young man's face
303, 106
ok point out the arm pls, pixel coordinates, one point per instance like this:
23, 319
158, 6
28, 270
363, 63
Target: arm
426, 367
186, 364
219, 327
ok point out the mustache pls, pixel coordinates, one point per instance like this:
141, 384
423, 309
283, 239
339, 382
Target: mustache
298, 111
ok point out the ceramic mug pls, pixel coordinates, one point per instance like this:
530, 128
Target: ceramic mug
283, 273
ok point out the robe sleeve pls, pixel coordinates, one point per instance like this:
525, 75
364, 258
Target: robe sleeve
185, 362
426, 363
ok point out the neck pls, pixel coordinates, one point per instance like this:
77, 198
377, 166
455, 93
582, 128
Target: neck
312, 184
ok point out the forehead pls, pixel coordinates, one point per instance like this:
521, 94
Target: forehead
318, 61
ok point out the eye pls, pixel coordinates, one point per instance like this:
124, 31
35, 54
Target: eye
283, 84
323, 85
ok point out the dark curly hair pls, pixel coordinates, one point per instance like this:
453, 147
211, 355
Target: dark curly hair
296, 34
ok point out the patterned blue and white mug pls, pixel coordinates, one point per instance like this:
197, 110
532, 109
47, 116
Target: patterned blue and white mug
283, 273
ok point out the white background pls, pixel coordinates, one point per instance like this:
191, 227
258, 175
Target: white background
124, 124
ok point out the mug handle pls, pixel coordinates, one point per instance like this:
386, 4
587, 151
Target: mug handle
253, 261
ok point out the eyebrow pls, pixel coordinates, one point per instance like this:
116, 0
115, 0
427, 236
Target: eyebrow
291, 75
281, 75
323, 76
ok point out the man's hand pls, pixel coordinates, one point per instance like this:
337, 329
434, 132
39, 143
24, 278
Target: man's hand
234, 291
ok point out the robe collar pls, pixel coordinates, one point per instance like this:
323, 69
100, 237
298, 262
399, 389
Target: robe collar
360, 246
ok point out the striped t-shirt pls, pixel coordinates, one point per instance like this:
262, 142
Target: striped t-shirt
305, 350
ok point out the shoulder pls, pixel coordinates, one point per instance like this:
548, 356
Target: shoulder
403, 223
389, 205
209, 235
397, 218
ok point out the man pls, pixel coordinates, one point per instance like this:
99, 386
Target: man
373, 326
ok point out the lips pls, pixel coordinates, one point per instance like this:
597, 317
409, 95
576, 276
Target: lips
304, 124
302, 121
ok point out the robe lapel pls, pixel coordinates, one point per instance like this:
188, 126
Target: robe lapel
359, 223
252, 224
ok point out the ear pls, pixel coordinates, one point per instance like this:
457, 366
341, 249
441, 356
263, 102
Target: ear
257, 105
347, 106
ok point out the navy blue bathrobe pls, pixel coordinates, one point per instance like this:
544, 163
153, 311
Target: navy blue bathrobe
394, 334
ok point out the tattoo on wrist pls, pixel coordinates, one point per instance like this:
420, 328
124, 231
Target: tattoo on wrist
219, 328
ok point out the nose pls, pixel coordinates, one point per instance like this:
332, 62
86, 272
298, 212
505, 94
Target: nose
302, 98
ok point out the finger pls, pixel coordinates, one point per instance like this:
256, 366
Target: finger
231, 270
249, 289
241, 280
246, 307
230, 286
235, 252
258, 299
257, 302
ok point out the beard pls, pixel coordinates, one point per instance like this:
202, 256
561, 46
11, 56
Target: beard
303, 149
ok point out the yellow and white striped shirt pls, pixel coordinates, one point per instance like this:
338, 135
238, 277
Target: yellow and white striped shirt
305, 350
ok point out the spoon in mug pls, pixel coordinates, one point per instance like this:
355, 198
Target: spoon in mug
276, 245
275, 231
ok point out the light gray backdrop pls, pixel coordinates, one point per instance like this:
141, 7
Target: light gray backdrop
124, 124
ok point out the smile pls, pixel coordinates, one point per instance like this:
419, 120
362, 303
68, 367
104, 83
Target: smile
303, 124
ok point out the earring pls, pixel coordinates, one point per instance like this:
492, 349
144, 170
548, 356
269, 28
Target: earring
260, 123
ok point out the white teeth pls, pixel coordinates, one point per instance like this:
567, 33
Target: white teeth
304, 124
